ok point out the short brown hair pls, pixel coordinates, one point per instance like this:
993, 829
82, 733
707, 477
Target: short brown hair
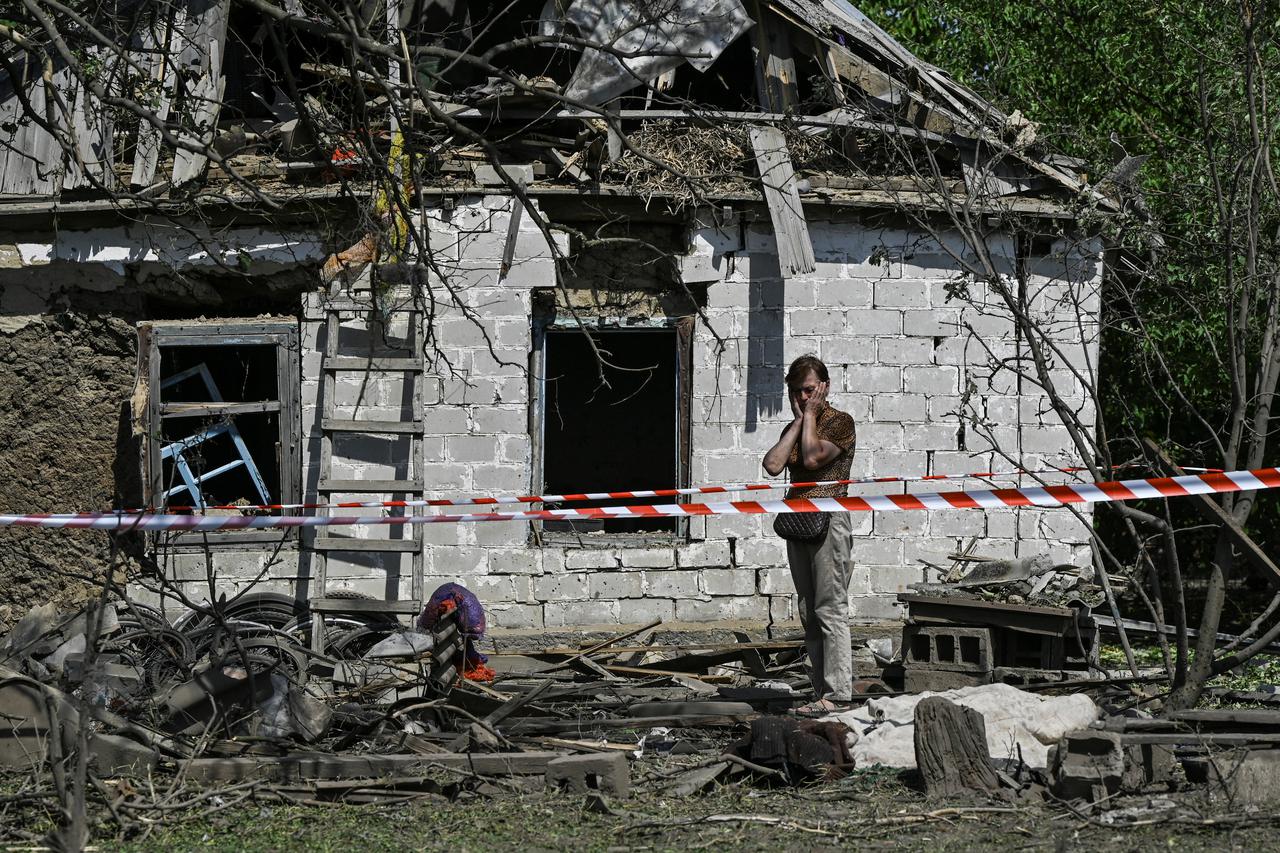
801, 366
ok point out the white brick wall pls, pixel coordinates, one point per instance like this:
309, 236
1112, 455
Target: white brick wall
911, 366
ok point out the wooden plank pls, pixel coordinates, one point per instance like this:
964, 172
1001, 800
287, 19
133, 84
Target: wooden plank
204, 49
163, 71
353, 544
192, 410
367, 487
350, 362
376, 427
1199, 738
778, 182
1228, 717
308, 766
1211, 510
775, 63
535, 725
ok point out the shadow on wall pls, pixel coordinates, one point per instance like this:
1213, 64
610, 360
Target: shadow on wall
765, 367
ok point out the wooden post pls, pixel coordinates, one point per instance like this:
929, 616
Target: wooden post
951, 750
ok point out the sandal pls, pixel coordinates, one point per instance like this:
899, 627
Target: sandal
821, 708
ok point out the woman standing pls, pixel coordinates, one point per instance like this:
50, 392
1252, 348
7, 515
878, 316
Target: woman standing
818, 445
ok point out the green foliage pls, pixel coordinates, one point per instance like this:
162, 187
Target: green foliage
1109, 78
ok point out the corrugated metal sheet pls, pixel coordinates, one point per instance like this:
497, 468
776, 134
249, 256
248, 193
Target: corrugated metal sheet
656, 35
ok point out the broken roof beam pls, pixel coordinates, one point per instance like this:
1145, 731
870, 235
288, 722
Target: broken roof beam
775, 66
782, 195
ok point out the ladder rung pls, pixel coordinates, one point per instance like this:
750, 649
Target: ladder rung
366, 487
350, 543
342, 425
363, 605
351, 362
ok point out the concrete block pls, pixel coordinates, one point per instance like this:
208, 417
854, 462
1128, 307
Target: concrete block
570, 587
500, 533
606, 772
870, 609
879, 436
948, 647
697, 554
1088, 765
931, 323
614, 585
514, 615
765, 550
899, 408
776, 581
488, 175
591, 558
473, 448
526, 561
647, 558
847, 350
1151, 764
671, 584
931, 380
873, 323
872, 379
729, 581
844, 293
753, 608
905, 351
817, 322
500, 478
645, 610
901, 293
920, 680
922, 437
580, 614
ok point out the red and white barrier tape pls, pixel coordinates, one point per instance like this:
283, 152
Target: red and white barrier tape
1040, 496
487, 500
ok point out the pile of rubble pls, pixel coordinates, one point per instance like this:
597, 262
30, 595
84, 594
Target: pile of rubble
234, 698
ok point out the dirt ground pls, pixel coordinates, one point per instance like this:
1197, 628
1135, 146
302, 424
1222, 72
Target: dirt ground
869, 810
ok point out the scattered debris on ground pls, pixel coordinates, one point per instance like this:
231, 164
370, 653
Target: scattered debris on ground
233, 704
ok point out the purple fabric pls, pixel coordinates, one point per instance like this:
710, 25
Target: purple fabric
470, 615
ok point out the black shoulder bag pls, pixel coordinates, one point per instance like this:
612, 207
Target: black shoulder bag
810, 527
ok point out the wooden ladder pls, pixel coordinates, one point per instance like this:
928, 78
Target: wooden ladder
413, 366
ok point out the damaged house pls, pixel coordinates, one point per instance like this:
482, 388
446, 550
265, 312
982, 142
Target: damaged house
249, 258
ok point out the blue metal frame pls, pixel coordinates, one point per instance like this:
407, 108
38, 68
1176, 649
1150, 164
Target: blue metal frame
175, 450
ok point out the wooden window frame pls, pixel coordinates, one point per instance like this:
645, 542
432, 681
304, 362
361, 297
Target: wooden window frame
284, 336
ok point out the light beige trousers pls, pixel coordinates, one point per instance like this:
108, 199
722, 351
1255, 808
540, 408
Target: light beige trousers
821, 572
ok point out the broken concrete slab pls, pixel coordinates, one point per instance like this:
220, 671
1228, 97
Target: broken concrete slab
1252, 779
607, 772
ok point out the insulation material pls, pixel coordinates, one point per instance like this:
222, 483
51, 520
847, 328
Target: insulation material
1019, 724
654, 36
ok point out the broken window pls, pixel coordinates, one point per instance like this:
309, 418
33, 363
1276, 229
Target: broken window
628, 434
222, 418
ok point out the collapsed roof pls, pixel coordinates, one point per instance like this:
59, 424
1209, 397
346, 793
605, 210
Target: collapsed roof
166, 101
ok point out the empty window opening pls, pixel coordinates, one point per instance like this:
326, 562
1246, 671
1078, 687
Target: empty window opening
220, 425
222, 417
623, 435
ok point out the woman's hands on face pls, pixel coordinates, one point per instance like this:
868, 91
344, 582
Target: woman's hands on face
819, 399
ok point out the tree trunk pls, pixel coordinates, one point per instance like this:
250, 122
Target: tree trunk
951, 750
